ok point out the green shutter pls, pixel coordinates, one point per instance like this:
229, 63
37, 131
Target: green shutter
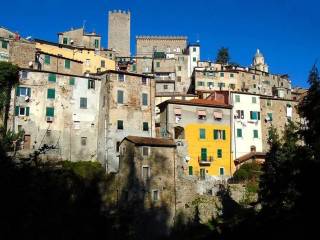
219, 153
221, 171
4, 44
17, 110
51, 93
96, 43
52, 77
67, 64
47, 59
239, 132
258, 113
65, 40
29, 92
71, 81
203, 154
49, 111
17, 91
145, 126
215, 134
134, 68
255, 134
202, 133
27, 111
224, 134
270, 116
190, 170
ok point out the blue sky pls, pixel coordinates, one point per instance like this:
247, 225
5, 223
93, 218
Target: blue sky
286, 32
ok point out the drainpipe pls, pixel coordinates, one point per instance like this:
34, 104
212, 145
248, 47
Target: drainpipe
152, 110
174, 185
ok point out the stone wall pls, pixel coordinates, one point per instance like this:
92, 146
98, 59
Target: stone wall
22, 53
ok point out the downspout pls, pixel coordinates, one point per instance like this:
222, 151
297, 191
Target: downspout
174, 185
152, 110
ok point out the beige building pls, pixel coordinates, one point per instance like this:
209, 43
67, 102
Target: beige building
127, 109
255, 79
79, 38
276, 112
58, 113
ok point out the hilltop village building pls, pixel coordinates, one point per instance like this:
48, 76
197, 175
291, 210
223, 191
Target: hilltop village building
81, 101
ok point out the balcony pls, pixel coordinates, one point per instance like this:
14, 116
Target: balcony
205, 161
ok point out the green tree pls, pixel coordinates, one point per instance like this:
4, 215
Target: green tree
9, 76
223, 56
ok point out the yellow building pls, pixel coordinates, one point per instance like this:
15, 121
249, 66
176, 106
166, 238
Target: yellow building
202, 128
93, 59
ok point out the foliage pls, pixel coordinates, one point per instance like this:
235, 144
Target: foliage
9, 76
223, 56
8, 138
247, 172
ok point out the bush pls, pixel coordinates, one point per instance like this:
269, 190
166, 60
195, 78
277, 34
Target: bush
247, 172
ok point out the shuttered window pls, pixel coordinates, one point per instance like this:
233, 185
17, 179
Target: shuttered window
46, 59
219, 153
202, 133
51, 93
67, 64
52, 77
203, 154
49, 111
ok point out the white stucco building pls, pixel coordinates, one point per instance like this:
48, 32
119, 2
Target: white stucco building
246, 126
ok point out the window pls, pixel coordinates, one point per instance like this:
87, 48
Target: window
178, 78
120, 124
144, 99
219, 153
190, 170
210, 84
219, 134
120, 97
255, 134
239, 132
254, 115
49, 111
202, 133
24, 74
145, 126
269, 116
83, 103
254, 100
103, 63
145, 173
118, 146
239, 114
65, 40
88, 62
51, 93
22, 111
200, 83
145, 151
144, 81
221, 74
71, 81
203, 154
217, 115
202, 115
179, 68
4, 44
83, 141
231, 75
232, 86
268, 102
67, 64
155, 195
253, 77
221, 85
194, 59
52, 77
194, 49
237, 98
202, 174
157, 64
165, 86
96, 43
91, 84
221, 171
23, 91
177, 113
254, 86
121, 77
47, 59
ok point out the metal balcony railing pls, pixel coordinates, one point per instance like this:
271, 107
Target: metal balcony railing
205, 161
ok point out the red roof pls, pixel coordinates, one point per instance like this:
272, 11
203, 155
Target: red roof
196, 102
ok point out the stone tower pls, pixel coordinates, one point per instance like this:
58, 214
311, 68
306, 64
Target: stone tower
258, 62
119, 32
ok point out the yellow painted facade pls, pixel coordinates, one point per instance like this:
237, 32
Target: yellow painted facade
91, 60
195, 144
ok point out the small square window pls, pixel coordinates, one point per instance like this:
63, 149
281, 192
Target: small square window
194, 49
254, 100
47, 59
83, 103
155, 195
145, 151
219, 153
222, 74
194, 59
103, 63
22, 111
178, 78
255, 134
179, 68
51, 93
24, 74
237, 98
65, 40
120, 124
239, 132
49, 111
91, 84
52, 77
145, 126
121, 77
231, 75
221, 171
165, 86
144, 81
72, 81
4, 44
83, 141
202, 133
157, 64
